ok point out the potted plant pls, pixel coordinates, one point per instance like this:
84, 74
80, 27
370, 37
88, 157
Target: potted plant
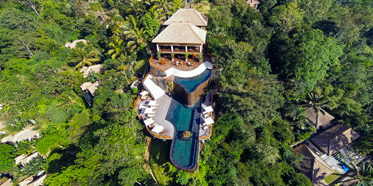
159, 55
186, 135
186, 56
172, 56
201, 58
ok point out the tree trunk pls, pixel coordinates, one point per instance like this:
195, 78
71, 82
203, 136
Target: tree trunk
26, 46
33, 7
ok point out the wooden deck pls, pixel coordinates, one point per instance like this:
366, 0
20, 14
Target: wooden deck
169, 63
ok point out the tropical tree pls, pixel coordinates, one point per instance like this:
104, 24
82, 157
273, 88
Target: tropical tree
358, 175
136, 7
164, 6
117, 48
135, 35
83, 57
156, 14
316, 102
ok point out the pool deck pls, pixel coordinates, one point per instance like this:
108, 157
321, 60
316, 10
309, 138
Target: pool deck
160, 118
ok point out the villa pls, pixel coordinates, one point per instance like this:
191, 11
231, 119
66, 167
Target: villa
172, 106
324, 152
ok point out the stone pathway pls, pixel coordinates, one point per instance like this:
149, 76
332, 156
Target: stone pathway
26, 133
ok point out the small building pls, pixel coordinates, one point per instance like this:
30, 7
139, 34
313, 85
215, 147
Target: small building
320, 119
95, 68
335, 138
19, 158
312, 166
253, 3
90, 89
27, 159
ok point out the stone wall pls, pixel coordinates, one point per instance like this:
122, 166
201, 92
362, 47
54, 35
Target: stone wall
191, 98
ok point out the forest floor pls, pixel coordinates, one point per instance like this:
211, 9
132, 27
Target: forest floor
159, 156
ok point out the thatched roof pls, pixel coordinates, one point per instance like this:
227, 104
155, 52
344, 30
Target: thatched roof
187, 16
91, 87
181, 33
321, 120
74, 43
312, 166
334, 138
252, 2
95, 68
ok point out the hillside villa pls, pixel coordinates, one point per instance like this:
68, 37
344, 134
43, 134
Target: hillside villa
171, 105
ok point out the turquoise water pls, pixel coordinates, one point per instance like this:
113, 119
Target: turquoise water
192, 83
183, 151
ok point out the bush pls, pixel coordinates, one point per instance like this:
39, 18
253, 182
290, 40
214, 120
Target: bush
135, 90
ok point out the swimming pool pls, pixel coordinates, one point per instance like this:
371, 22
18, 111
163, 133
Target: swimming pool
183, 152
192, 83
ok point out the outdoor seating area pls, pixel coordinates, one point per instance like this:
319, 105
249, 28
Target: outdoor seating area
144, 95
206, 116
148, 110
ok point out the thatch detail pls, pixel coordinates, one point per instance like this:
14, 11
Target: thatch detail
187, 16
312, 165
182, 33
334, 138
95, 68
321, 120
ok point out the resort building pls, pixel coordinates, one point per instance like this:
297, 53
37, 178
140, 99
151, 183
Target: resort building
253, 3
171, 105
88, 87
324, 152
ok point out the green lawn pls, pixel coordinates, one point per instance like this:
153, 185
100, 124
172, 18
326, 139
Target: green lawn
203, 7
329, 179
159, 156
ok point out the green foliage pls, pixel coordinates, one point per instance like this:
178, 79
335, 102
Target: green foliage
49, 141
6, 157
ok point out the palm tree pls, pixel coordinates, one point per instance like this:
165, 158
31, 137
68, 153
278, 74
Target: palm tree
361, 175
164, 6
83, 57
156, 14
136, 7
136, 37
117, 48
316, 102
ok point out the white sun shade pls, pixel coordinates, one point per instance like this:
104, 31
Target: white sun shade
148, 122
143, 93
208, 109
208, 121
157, 129
152, 103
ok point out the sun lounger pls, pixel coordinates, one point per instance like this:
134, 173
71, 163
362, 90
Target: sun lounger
205, 127
158, 129
149, 121
150, 115
142, 106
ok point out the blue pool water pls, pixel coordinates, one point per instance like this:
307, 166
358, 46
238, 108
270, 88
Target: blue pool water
192, 83
344, 167
183, 152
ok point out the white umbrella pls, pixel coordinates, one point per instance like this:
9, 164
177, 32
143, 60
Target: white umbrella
148, 122
143, 93
157, 129
152, 103
208, 109
208, 121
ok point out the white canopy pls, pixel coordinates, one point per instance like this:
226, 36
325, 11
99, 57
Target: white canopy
152, 103
149, 111
208, 109
157, 129
208, 121
148, 122
143, 93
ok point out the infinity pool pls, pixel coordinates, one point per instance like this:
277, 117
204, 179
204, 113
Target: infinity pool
183, 152
192, 83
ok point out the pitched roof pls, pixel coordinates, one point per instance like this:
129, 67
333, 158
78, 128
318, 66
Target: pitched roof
91, 87
181, 33
334, 138
312, 166
187, 16
321, 120
252, 2
95, 68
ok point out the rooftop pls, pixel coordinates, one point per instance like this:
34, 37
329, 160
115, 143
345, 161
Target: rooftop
185, 33
312, 166
321, 120
95, 68
187, 16
334, 138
